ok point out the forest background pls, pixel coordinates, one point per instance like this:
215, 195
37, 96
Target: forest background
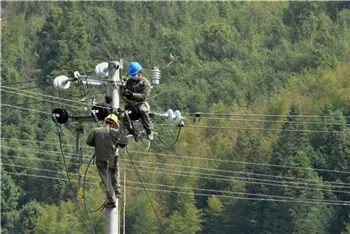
269, 154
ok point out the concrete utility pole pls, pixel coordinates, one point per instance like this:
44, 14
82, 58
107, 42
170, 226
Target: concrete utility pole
112, 214
113, 83
110, 70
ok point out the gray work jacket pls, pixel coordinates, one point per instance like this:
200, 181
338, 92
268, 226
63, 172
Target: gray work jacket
105, 140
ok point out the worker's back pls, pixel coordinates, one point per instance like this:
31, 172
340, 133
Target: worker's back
105, 141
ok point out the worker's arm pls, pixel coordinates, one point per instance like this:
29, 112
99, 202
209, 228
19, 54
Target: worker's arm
122, 141
91, 139
145, 89
119, 139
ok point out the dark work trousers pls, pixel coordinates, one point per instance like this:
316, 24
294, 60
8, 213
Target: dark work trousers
109, 175
144, 116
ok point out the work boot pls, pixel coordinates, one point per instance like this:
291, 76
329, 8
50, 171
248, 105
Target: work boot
137, 136
150, 135
111, 204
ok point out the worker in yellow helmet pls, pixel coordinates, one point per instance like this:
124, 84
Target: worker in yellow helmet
106, 141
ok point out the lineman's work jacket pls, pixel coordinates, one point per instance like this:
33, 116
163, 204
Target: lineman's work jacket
141, 89
105, 140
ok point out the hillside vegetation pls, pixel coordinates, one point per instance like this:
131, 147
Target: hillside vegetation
269, 153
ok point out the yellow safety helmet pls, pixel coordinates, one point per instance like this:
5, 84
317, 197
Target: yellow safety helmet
111, 119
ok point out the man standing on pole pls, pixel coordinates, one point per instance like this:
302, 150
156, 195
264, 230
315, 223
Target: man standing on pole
106, 140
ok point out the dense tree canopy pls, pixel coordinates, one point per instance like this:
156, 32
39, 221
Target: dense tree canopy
268, 150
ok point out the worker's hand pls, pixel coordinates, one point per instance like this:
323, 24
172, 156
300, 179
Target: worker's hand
127, 93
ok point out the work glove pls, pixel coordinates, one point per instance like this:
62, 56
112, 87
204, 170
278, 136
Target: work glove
127, 93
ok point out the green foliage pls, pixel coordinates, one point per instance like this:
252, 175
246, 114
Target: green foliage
274, 58
59, 219
142, 217
184, 222
28, 217
10, 194
213, 215
63, 43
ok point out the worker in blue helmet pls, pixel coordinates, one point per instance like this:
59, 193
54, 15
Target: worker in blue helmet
135, 93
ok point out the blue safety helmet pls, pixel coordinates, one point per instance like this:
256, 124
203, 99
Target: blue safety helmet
134, 68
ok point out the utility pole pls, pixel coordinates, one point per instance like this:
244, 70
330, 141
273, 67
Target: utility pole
111, 70
112, 214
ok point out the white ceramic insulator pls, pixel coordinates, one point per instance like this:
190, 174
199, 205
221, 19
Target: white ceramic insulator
170, 114
155, 77
102, 69
177, 115
61, 82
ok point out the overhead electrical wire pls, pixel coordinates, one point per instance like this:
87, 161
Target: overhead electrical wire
201, 114
251, 181
329, 183
27, 109
144, 189
218, 127
38, 98
202, 194
21, 82
33, 150
278, 121
198, 189
43, 142
85, 206
64, 160
173, 143
239, 162
43, 95
229, 178
223, 160
340, 184
38, 159
245, 198
233, 192
262, 129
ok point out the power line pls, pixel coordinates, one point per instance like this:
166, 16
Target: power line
210, 114
261, 129
220, 177
174, 186
206, 127
39, 159
21, 82
44, 177
322, 202
43, 95
244, 198
329, 183
200, 114
239, 162
32, 150
277, 121
171, 186
38, 98
144, 188
27, 109
43, 142
41, 169
212, 159
233, 192
251, 181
